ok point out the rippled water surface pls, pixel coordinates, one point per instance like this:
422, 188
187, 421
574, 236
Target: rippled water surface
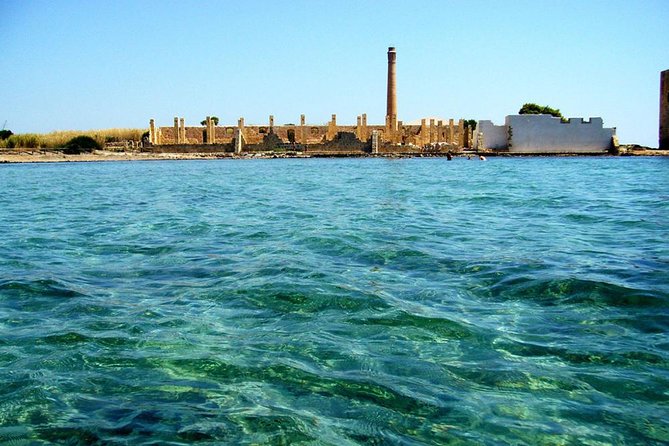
355, 301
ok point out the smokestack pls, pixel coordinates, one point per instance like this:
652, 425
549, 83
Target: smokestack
391, 104
664, 110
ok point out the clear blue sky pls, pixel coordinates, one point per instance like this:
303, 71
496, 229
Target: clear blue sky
100, 64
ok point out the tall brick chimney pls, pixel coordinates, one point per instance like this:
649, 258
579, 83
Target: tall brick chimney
391, 104
664, 110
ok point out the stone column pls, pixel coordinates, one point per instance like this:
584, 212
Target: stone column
176, 130
451, 132
271, 123
423, 132
303, 133
152, 131
664, 110
210, 130
358, 128
391, 98
461, 133
212, 126
182, 131
440, 131
388, 133
398, 133
364, 127
239, 137
332, 128
375, 141
432, 131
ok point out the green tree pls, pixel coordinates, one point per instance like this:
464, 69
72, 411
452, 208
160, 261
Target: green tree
4, 134
470, 123
535, 109
213, 118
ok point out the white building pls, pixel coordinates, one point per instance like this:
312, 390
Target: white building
544, 134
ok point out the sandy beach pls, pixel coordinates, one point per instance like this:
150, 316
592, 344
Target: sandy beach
48, 156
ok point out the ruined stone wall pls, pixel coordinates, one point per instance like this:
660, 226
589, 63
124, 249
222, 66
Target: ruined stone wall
429, 133
490, 136
253, 134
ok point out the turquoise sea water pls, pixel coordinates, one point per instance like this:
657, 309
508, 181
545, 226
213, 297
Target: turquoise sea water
319, 301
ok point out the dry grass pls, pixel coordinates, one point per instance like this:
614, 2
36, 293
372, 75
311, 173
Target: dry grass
60, 138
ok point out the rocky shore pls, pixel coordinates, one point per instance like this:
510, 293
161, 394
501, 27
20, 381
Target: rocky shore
53, 156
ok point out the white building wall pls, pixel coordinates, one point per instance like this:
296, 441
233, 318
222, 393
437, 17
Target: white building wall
547, 134
493, 137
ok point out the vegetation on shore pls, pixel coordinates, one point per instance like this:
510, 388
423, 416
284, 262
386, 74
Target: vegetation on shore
81, 144
60, 139
535, 109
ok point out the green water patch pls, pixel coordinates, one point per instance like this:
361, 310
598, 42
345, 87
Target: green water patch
436, 329
574, 291
18, 436
71, 435
275, 428
648, 322
622, 385
108, 249
286, 298
64, 339
47, 288
300, 383
600, 357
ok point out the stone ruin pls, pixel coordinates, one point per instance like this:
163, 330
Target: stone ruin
391, 137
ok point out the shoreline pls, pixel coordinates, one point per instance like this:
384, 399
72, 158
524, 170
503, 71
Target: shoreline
48, 156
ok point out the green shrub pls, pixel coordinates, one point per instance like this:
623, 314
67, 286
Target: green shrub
213, 118
534, 109
4, 134
81, 144
470, 123
27, 141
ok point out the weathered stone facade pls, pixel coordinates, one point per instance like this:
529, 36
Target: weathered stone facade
429, 135
392, 136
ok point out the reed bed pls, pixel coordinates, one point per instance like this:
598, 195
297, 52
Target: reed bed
60, 138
